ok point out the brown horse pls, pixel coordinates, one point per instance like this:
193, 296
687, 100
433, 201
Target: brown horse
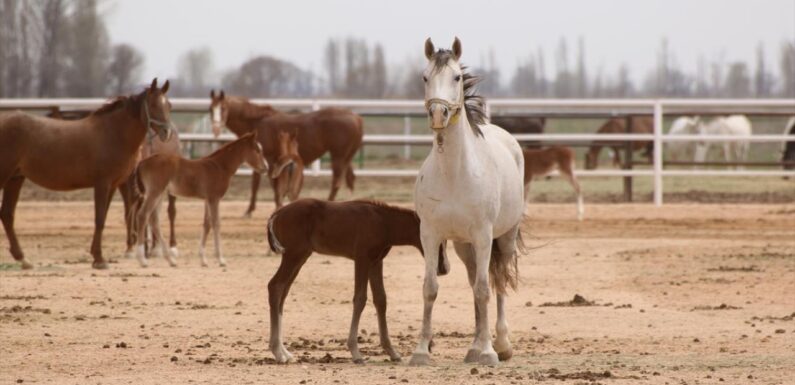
152, 146
539, 163
639, 125
206, 178
522, 125
289, 167
96, 152
363, 231
332, 130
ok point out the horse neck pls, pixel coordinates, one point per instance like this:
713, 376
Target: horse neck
238, 125
124, 124
230, 158
403, 228
458, 152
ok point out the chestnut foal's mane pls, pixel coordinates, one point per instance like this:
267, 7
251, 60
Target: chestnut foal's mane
229, 146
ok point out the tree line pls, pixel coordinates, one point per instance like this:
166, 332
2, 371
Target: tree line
61, 48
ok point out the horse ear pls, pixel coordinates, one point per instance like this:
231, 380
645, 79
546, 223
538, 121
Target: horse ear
429, 48
212, 93
457, 48
222, 96
165, 87
154, 84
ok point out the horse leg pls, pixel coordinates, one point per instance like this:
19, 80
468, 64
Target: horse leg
278, 287
158, 243
430, 245
277, 196
568, 173
215, 221
11, 190
379, 300
337, 173
141, 220
617, 157
172, 216
482, 245
359, 300
102, 193
252, 205
507, 246
127, 199
467, 255
205, 230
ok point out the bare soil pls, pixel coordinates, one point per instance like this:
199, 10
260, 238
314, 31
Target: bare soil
684, 294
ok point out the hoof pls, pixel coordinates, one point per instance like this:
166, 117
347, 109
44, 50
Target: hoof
506, 355
420, 359
129, 254
472, 357
222, 263
247, 215
488, 358
26, 265
174, 252
100, 265
358, 361
395, 358
282, 356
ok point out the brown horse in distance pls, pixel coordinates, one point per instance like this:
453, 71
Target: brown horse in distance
363, 231
98, 151
541, 162
522, 125
332, 130
207, 178
639, 125
153, 145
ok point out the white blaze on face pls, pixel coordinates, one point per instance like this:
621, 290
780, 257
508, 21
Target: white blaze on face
216, 114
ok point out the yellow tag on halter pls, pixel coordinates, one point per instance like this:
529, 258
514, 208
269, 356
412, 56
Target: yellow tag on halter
454, 118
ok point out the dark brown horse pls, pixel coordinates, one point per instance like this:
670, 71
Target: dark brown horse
639, 125
363, 231
332, 130
98, 152
522, 125
153, 145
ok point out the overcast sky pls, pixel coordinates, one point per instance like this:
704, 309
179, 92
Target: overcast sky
615, 31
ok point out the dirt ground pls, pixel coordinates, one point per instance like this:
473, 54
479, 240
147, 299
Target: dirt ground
684, 294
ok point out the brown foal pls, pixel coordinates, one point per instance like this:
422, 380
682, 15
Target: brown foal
541, 162
363, 231
206, 178
98, 151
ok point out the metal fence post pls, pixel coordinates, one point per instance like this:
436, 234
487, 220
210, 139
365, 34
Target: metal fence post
316, 163
658, 153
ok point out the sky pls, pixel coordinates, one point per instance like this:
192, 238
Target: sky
615, 32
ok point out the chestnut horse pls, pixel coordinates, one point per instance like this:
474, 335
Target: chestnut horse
522, 125
541, 162
152, 146
98, 151
639, 125
363, 231
289, 167
206, 178
332, 130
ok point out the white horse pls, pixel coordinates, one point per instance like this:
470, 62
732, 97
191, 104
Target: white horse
684, 125
470, 191
731, 125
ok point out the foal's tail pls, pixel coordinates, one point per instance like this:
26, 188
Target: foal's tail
276, 247
504, 268
137, 191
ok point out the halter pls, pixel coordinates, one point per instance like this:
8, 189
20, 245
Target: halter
151, 133
454, 109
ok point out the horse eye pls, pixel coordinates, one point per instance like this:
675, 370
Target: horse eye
457, 77
425, 79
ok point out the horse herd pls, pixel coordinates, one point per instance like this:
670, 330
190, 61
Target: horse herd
471, 189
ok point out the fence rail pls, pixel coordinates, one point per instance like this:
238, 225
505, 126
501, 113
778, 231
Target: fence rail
542, 107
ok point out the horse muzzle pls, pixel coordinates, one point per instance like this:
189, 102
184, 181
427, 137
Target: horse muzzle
280, 167
439, 115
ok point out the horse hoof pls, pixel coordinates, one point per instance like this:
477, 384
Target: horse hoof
488, 358
358, 361
174, 252
472, 357
395, 358
129, 254
247, 215
420, 359
506, 355
26, 265
100, 265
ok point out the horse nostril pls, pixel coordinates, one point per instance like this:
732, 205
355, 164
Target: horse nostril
445, 112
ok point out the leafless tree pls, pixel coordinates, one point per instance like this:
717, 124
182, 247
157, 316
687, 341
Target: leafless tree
124, 70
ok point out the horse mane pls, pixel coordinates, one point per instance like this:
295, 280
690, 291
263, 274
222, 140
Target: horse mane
116, 103
474, 104
388, 207
227, 147
248, 110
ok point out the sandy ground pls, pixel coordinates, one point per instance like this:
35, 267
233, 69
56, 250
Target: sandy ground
685, 294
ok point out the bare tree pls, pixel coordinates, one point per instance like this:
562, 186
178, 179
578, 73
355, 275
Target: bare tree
332, 62
53, 29
738, 83
195, 70
89, 51
788, 69
266, 76
379, 73
125, 68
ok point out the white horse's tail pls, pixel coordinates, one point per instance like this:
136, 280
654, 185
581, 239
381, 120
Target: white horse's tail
276, 247
504, 269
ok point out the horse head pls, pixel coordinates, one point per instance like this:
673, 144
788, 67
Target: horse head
156, 110
444, 84
219, 111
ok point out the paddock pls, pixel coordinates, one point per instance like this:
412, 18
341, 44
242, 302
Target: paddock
683, 293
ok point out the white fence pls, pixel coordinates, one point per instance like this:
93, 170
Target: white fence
551, 108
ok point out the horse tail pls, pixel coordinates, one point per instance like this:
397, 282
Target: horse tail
504, 268
137, 190
350, 177
274, 244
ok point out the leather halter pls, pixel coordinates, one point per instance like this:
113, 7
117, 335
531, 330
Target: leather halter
151, 132
454, 108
